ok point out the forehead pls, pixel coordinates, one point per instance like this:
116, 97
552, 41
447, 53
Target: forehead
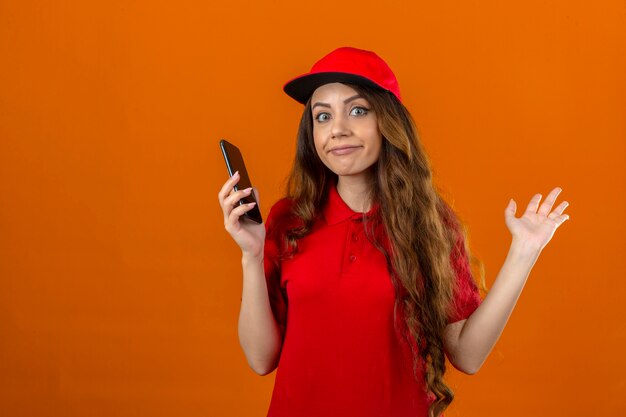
332, 90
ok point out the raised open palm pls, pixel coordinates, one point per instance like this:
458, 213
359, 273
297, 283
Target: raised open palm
536, 227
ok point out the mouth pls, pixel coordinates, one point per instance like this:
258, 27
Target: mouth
342, 150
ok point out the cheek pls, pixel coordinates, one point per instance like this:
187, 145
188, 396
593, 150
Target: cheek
319, 149
377, 144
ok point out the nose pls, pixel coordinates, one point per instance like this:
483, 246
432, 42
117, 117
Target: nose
339, 126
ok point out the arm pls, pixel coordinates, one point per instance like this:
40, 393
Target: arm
469, 342
259, 335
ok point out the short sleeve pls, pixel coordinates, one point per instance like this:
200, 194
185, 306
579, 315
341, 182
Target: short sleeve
271, 262
466, 297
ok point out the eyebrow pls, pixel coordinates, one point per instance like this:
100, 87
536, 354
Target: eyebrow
344, 102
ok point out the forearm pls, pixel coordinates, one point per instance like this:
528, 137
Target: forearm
259, 334
483, 328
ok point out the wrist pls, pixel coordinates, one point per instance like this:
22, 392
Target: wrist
522, 250
251, 258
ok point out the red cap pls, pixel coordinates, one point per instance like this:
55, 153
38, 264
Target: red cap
344, 65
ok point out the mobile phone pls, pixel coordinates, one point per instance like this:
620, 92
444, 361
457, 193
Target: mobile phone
234, 163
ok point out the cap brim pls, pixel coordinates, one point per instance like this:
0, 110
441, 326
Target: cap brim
302, 87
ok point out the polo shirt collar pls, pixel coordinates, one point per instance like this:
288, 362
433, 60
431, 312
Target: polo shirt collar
336, 210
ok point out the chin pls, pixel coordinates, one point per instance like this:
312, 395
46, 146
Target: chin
346, 173
343, 171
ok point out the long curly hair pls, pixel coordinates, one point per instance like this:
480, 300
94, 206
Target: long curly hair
421, 228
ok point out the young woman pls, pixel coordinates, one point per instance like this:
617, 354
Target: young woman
358, 285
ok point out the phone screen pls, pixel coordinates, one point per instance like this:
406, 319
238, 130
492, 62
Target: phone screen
234, 163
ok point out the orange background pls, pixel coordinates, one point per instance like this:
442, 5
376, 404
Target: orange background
119, 287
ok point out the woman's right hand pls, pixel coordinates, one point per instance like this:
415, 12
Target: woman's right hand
250, 236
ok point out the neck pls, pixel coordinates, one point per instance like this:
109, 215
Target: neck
354, 191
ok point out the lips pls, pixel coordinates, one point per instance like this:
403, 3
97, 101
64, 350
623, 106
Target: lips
343, 150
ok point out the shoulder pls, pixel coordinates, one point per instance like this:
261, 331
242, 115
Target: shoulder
281, 216
281, 207
280, 210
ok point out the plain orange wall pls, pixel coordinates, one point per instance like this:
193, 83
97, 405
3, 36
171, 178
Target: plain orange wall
119, 287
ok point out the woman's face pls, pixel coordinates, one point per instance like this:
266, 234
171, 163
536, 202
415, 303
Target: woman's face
343, 119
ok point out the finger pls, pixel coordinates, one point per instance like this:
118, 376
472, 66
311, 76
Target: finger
534, 203
235, 196
228, 186
560, 208
233, 200
558, 211
233, 215
549, 201
236, 213
559, 220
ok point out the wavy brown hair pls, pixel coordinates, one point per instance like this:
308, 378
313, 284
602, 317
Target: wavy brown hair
422, 229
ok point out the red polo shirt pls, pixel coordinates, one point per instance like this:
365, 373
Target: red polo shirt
342, 354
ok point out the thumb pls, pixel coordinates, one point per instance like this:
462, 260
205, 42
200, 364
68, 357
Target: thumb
510, 209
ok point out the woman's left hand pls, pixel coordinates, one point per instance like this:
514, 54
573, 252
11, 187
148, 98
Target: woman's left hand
535, 228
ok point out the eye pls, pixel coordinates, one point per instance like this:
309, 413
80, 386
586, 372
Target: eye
317, 118
363, 113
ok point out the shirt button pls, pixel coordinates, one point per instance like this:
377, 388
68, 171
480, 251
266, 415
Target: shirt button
352, 258
355, 237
